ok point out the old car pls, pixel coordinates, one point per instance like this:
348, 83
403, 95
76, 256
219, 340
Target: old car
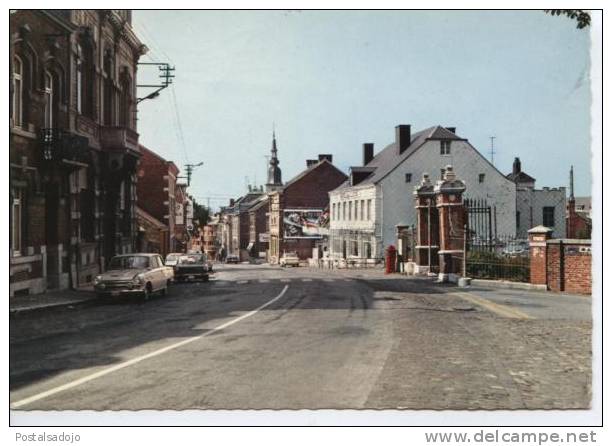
232, 259
134, 274
290, 259
191, 267
172, 258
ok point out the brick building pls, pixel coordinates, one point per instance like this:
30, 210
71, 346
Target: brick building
157, 190
578, 213
259, 228
296, 208
73, 145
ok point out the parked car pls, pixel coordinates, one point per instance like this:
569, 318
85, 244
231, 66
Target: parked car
232, 259
290, 259
209, 263
172, 258
134, 274
191, 267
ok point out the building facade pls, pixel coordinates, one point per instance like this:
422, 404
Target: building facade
536, 207
73, 145
367, 209
157, 190
296, 209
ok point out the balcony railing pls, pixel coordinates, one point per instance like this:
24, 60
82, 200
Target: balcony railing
58, 145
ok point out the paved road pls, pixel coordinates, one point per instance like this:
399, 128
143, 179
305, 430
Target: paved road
264, 337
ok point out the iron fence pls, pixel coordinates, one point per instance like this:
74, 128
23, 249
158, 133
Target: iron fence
501, 258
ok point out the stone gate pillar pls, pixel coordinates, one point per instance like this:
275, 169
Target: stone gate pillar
538, 254
449, 202
426, 249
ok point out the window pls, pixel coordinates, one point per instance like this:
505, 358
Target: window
408, 177
16, 220
361, 211
355, 215
333, 211
548, 216
48, 100
441, 174
108, 89
344, 210
445, 147
518, 219
84, 79
481, 177
124, 103
350, 210
354, 246
369, 208
17, 92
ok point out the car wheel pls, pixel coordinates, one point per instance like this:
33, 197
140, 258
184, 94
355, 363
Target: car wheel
146, 294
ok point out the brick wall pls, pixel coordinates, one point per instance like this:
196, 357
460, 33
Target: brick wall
568, 265
562, 264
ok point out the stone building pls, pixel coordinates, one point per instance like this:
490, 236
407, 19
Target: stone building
73, 145
367, 209
297, 208
258, 228
536, 207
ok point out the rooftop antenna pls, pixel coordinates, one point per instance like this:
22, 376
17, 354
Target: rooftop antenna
492, 152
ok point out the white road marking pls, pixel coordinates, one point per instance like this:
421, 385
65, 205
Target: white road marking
263, 280
243, 281
285, 280
138, 359
306, 280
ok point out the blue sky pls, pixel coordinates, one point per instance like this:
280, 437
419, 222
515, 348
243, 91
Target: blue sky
333, 80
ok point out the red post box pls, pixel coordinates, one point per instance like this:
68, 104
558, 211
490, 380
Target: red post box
390, 257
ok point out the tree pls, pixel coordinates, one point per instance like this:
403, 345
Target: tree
582, 17
200, 213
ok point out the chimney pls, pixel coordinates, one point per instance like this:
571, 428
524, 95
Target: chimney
516, 166
231, 202
326, 156
368, 152
402, 137
311, 162
451, 129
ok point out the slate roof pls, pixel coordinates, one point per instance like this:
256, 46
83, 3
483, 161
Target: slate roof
306, 171
389, 158
520, 177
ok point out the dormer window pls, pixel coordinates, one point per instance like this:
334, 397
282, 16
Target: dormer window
445, 147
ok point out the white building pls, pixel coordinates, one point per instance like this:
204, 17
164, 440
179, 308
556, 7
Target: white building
378, 196
536, 207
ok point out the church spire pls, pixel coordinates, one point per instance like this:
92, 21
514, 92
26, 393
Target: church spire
274, 172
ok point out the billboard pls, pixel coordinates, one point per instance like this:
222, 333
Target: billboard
304, 223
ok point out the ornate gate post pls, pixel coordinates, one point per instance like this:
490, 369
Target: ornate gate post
426, 249
451, 210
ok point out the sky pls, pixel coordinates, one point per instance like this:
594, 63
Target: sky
328, 81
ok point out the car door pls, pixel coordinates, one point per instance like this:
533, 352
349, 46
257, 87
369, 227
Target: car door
156, 273
161, 272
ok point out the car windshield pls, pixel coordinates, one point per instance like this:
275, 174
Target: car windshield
171, 258
291, 254
191, 259
129, 262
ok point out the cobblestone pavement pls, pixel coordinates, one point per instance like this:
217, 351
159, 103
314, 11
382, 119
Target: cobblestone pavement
334, 339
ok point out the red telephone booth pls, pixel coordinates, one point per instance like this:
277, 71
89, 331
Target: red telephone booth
390, 257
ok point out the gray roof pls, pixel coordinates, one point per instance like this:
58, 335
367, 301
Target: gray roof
389, 158
308, 170
521, 177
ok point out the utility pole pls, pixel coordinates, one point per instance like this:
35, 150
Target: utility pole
492, 152
166, 79
189, 169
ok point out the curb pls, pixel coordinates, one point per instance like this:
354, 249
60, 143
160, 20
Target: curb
51, 305
508, 285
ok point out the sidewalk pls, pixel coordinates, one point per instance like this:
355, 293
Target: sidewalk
51, 299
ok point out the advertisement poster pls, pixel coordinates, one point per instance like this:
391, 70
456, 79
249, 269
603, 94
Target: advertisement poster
304, 223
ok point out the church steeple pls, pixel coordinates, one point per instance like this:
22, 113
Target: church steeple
274, 172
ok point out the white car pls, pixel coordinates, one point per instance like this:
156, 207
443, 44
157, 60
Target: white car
290, 259
134, 274
172, 258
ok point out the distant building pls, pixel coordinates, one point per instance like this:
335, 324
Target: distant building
275, 181
259, 232
378, 196
157, 190
296, 209
536, 207
578, 214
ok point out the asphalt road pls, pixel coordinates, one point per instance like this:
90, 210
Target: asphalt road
260, 337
